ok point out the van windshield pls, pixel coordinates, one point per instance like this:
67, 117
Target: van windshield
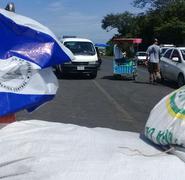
80, 48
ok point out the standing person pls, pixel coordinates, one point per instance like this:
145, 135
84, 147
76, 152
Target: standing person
118, 54
153, 57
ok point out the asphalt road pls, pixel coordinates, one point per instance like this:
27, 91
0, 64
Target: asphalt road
104, 101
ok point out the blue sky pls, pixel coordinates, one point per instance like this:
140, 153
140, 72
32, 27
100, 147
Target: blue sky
73, 17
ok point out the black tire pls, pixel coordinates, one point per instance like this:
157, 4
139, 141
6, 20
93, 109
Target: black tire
117, 76
134, 77
162, 78
93, 75
180, 80
57, 70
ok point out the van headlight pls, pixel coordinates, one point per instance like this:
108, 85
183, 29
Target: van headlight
69, 62
92, 62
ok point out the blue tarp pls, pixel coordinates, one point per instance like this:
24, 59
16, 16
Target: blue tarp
101, 45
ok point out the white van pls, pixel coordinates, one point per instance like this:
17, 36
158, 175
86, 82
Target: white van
86, 57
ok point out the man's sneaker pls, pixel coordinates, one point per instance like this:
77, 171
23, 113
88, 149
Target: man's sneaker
154, 82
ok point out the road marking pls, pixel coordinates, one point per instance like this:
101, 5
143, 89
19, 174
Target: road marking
127, 116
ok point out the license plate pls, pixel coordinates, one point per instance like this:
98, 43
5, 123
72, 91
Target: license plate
80, 68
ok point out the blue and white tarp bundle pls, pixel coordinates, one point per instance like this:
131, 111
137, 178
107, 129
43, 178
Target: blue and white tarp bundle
28, 50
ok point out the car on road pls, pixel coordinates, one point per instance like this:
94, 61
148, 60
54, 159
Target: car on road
86, 59
141, 57
165, 47
163, 50
172, 65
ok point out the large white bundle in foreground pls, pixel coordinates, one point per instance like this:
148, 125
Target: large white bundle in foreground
53, 151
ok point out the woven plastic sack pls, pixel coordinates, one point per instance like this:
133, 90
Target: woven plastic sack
166, 123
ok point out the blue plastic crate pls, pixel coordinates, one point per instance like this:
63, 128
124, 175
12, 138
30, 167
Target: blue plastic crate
126, 68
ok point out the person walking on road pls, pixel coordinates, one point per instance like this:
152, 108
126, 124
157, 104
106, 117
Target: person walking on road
118, 54
153, 58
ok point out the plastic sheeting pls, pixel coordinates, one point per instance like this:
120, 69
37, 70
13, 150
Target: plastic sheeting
54, 151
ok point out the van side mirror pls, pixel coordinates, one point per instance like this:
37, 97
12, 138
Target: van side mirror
175, 59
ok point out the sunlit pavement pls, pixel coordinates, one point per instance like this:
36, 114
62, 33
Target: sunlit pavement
104, 101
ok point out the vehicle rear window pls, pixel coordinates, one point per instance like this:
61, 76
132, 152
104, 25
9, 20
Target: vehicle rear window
163, 50
168, 53
80, 48
176, 54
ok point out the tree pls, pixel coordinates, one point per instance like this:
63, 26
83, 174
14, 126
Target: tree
156, 4
172, 27
165, 21
123, 22
172, 31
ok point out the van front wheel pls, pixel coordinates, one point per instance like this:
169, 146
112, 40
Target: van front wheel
93, 75
180, 80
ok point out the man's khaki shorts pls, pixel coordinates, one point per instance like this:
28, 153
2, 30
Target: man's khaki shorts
153, 67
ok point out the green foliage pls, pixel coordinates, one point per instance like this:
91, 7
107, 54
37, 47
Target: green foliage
164, 19
172, 27
109, 49
172, 31
124, 23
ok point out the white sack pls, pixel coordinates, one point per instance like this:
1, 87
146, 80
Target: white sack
166, 123
38, 150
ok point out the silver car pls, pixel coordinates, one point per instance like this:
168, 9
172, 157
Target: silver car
172, 65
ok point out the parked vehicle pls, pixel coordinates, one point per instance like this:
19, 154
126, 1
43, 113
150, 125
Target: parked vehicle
165, 47
86, 57
163, 50
141, 57
172, 65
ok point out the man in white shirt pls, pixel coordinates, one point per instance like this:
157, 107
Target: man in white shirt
118, 54
153, 57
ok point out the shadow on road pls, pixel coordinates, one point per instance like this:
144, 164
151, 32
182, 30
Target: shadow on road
141, 82
170, 84
113, 78
72, 76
